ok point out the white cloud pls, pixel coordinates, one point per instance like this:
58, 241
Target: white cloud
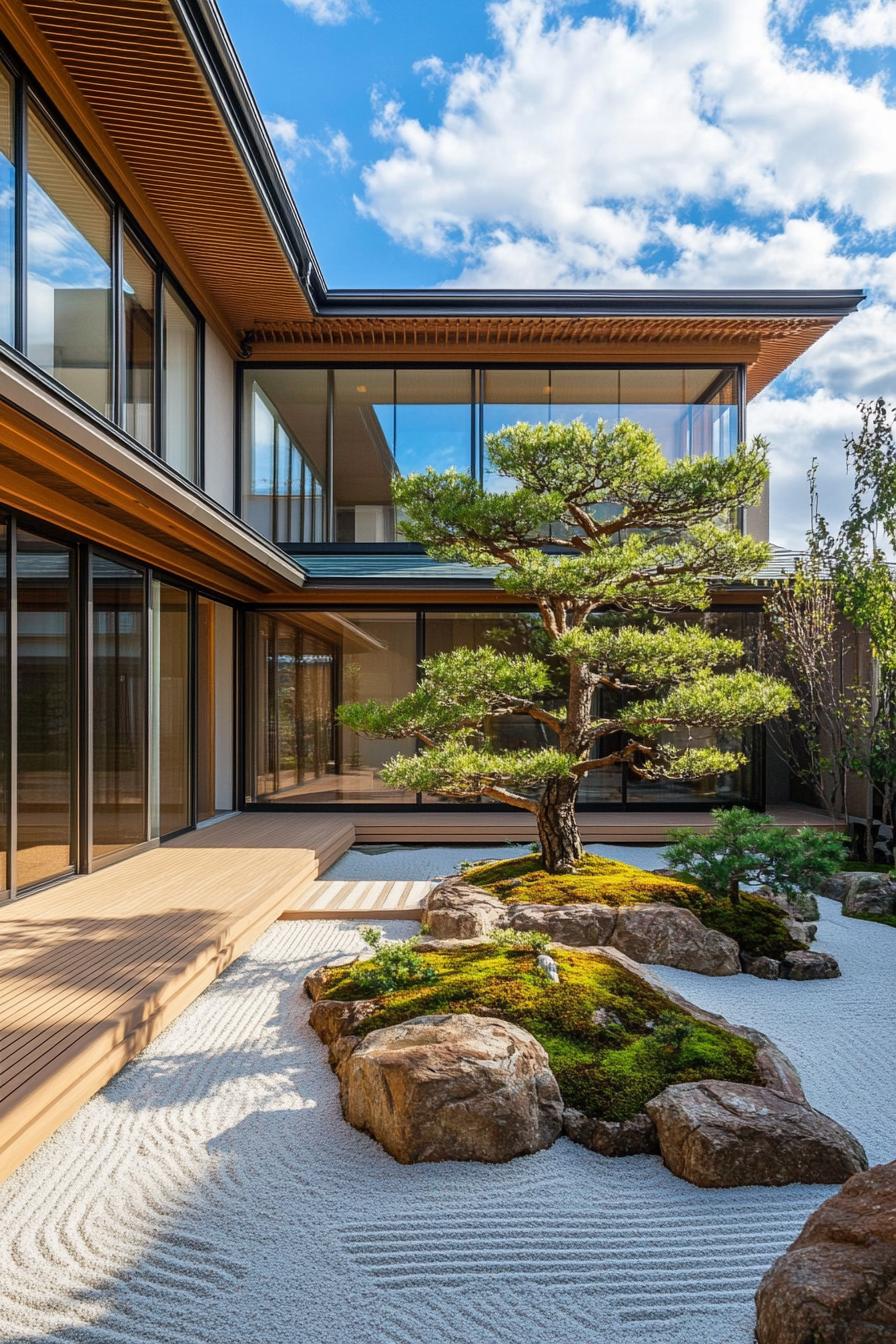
862, 26
292, 147
329, 11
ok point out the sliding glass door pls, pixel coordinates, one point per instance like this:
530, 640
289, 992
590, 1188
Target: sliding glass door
46, 715
172, 737
120, 706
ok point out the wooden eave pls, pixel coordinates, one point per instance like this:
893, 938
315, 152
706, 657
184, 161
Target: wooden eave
767, 345
125, 78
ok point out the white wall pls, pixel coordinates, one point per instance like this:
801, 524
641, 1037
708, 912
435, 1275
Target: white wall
219, 426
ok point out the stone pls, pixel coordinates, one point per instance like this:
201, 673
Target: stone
871, 899
455, 909
801, 932
612, 1138
669, 936
316, 980
765, 968
452, 1087
574, 925
804, 907
336, 1022
809, 966
549, 966
835, 887
837, 1281
717, 1134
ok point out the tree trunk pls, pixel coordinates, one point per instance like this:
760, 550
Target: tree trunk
558, 834
734, 890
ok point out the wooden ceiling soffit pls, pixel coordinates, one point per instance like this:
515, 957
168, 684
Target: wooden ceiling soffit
51, 479
125, 78
766, 345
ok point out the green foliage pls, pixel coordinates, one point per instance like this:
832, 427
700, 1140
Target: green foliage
746, 846
518, 940
758, 926
393, 965
613, 1042
634, 537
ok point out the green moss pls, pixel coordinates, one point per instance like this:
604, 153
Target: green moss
757, 926
607, 1069
875, 919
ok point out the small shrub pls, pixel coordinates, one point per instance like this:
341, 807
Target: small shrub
393, 966
516, 940
370, 934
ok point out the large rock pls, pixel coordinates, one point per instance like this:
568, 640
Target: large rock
809, 966
669, 936
725, 1134
836, 1284
574, 925
336, 1022
455, 909
452, 1087
871, 894
764, 968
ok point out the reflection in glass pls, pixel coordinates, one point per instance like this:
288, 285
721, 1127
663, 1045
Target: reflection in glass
285, 459
120, 706
180, 345
171, 709
46, 714
7, 212
509, 396
364, 454
4, 700
69, 270
139, 343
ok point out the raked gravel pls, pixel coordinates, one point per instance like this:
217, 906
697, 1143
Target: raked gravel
212, 1194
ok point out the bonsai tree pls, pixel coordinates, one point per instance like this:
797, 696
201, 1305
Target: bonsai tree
634, 539
746, 846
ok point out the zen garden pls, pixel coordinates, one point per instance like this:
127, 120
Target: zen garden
525, 1009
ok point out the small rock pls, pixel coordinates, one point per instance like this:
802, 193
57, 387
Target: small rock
316, 980
605, 1017
717, 1134
765, 968
837, 1280
809, 966
804, 907
336, 1021
612, 1138
669, 936
452, 1087
574, 925
549, 966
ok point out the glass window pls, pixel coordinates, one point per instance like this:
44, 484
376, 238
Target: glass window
285, 454
180, 348
171, 810
214, 708
139, 343
4, 701
46, 711
301, 665
692, 412
364, 454
433, 419
509, 396
7, 209
69, 270
120, 706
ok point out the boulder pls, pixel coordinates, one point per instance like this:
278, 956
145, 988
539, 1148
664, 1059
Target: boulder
802, 933
803, 907
574, 925
837, 1281
836, 886
765, 968
452, 1087
613, 1138
717, 1134
455, 909
669, 936
871, 898
809, 966
336, 1022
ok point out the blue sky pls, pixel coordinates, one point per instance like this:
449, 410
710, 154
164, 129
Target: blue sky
672, 143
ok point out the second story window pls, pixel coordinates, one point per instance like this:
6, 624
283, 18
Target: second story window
69, 270
180, 373
139, 299
7, 208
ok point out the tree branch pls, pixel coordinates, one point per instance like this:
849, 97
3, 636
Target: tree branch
507, 796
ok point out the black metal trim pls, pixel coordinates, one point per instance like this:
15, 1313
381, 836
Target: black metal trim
12, 818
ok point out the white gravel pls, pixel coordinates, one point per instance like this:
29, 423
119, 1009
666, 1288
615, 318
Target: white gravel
212, 1192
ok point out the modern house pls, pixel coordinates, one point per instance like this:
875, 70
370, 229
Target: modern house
197, 438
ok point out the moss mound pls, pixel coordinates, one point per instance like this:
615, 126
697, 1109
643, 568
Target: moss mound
607, 1067
756, 925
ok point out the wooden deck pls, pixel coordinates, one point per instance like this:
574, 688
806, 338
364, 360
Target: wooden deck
93, 969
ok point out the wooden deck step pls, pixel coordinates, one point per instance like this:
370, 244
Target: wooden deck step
353, 899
